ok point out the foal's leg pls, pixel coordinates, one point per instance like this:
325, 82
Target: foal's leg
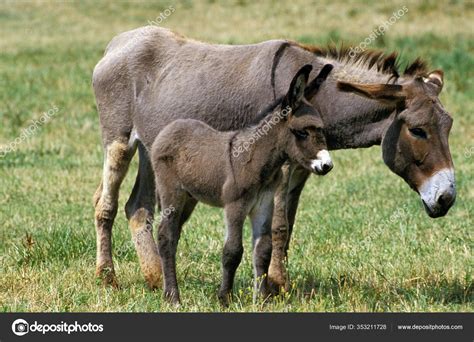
139, 209
261, 218
169, 232
233, 249
118, 155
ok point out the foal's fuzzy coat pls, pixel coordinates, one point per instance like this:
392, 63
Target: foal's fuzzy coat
237, 171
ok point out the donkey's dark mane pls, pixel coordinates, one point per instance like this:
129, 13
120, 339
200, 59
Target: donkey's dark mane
387, 64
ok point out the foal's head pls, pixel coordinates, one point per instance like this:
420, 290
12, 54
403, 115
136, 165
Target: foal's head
305, 140
415, 145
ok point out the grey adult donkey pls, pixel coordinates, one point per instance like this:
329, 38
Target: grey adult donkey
365, 101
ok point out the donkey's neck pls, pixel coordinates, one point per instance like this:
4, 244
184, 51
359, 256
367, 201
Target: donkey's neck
353, 121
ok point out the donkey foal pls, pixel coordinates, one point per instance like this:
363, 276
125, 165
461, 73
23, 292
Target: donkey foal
237, 171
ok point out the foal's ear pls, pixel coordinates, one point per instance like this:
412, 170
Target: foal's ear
296, 91
391, 93
313, 87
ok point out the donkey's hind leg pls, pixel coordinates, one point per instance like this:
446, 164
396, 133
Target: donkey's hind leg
118, 155
261, 218
140, 209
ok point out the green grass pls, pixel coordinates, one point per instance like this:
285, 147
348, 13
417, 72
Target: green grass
362, 241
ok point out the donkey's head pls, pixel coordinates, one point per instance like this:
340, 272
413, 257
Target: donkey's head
415, 145
305, 140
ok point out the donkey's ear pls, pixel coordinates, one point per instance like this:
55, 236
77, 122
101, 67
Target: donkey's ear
392, 93
296, 91
435, 78
313, 87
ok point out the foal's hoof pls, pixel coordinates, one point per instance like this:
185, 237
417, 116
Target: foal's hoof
224, 298
107, 276
172, 297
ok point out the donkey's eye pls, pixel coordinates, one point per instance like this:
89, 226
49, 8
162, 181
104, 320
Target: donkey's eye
300, 134
418, 133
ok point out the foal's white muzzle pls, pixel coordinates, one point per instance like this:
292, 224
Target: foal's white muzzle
323, 164
438, 193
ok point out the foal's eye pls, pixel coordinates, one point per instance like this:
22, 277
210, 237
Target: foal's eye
418, 133
300, 134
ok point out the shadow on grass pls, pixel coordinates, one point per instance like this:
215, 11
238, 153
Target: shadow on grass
431, 289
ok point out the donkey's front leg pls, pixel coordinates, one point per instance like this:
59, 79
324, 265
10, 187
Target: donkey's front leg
261, 218
298, 179
233, 249
286, 202
277, 276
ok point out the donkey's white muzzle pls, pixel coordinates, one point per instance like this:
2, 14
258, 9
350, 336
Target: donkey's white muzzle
438, 193
323, 164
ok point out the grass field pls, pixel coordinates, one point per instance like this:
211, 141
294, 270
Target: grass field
366, 245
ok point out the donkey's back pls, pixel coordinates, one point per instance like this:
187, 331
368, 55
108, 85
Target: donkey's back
151, 76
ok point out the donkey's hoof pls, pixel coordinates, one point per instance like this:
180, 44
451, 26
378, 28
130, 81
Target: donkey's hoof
107, 276
154, 282
266, 292
274, 288
277, 283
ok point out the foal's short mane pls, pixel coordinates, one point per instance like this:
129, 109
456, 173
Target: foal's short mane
266, 111
386, 64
